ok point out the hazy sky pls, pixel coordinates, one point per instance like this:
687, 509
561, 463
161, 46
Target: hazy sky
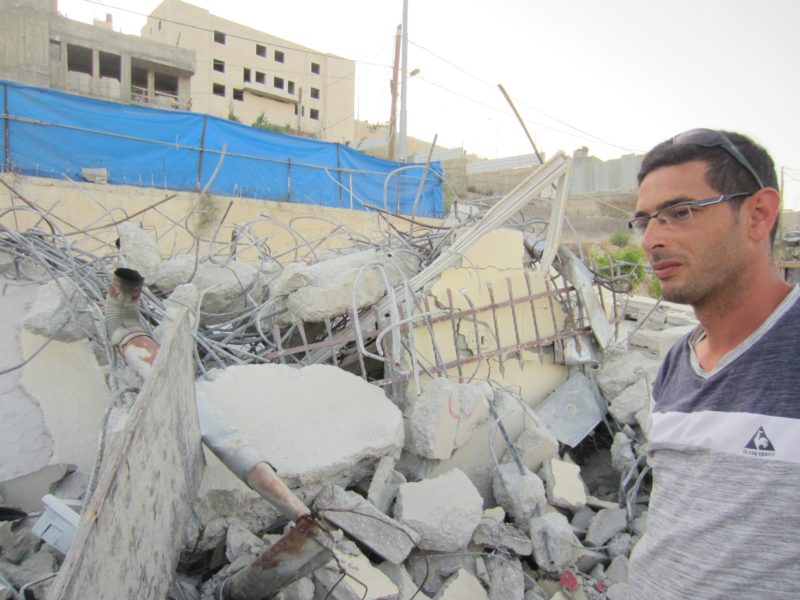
617, 76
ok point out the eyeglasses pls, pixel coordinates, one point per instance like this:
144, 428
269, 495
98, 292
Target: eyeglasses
710, 138
679, 213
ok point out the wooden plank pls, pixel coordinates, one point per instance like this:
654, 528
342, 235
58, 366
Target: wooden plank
129, 538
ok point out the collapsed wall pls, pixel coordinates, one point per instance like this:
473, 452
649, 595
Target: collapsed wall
472, 436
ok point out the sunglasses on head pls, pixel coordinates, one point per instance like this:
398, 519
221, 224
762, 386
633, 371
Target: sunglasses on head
710, 138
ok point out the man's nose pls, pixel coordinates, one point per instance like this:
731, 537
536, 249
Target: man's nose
653, 236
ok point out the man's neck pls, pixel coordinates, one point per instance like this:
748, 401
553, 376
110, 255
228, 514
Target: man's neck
728, 321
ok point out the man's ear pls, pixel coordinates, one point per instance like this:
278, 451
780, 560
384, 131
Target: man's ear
762, 209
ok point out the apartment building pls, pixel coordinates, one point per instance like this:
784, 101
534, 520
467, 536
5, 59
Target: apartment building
40, 47
243, 72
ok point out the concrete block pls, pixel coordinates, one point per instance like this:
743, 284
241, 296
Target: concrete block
502, 536
521, 495
581, 519
620, 545
606, 523
302, 589
586, 559
659, 342
221, 500
618, 591
623, 369
225, 287
462, 586
330, 287
630, 401
365, 523
430, 569
403, 581
534, 446
552, 530
506, 580
25, 492
35, 566
573, 410
444, 417
314, 424
361, 579
138, 251
622, 455
60, 310
444, 510
384, 484
240, 541
617, 571
565, 487
16, 542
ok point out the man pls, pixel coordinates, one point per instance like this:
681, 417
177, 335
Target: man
724, 516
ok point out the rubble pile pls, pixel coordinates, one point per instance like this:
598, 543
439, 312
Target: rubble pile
454, 439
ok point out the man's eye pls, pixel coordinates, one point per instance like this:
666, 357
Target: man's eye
680, 213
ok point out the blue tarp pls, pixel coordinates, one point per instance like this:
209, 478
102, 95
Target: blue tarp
49, 133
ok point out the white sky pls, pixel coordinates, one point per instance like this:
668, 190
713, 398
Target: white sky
615, 75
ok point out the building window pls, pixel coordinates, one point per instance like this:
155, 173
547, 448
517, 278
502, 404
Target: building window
139, 78
279, 56
246, 75
315, 93
111, 66
314, 114
164, 83
219, 90
79, 59
315, 68
277, 82
259, 77
261, 50
219, 37
159, 24
219, 65
238, 95
295, 109
290, 87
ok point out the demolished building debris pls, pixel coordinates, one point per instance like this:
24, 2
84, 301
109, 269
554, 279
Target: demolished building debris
424, 412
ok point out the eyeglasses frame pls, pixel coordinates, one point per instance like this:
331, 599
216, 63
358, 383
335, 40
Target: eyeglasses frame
720, 140
692, 204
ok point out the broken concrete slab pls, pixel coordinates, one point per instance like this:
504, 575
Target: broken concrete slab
302, 589
622, 456
534, 446
620, 544
138, 251
631, 400
493, 532
26, 491
444, 510
573, 410
431, 569
553, 541
35, 566
506, 581
659, 342
617, 571
462, 586
224, 287
361, 580
401, 578
565, 487
443, 418
314, 424
60, 311
16, 541
239, 541
366, 524
605, 524
521, 495
331, 287
384, 484
223, 499
581, 519
618, 591
622, 368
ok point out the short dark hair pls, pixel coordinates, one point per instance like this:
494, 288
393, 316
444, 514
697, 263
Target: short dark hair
724, 174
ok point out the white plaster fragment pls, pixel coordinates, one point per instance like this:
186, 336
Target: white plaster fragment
462, 586
534, 446
444, 510
522, 495
552, 533
631, 400
60, 310
565, 487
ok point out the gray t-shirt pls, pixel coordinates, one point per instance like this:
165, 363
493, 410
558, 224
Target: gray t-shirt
724, 516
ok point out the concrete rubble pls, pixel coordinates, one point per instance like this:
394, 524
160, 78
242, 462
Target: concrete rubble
444, 443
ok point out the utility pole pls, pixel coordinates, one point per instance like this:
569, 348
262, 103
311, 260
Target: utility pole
393, 86
402, 150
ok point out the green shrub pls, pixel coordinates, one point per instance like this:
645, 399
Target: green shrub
620, 261
620, 238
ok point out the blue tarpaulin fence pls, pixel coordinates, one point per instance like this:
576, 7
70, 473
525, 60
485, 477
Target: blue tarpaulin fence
49, 133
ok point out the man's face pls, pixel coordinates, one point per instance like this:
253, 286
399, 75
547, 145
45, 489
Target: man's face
698, 261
